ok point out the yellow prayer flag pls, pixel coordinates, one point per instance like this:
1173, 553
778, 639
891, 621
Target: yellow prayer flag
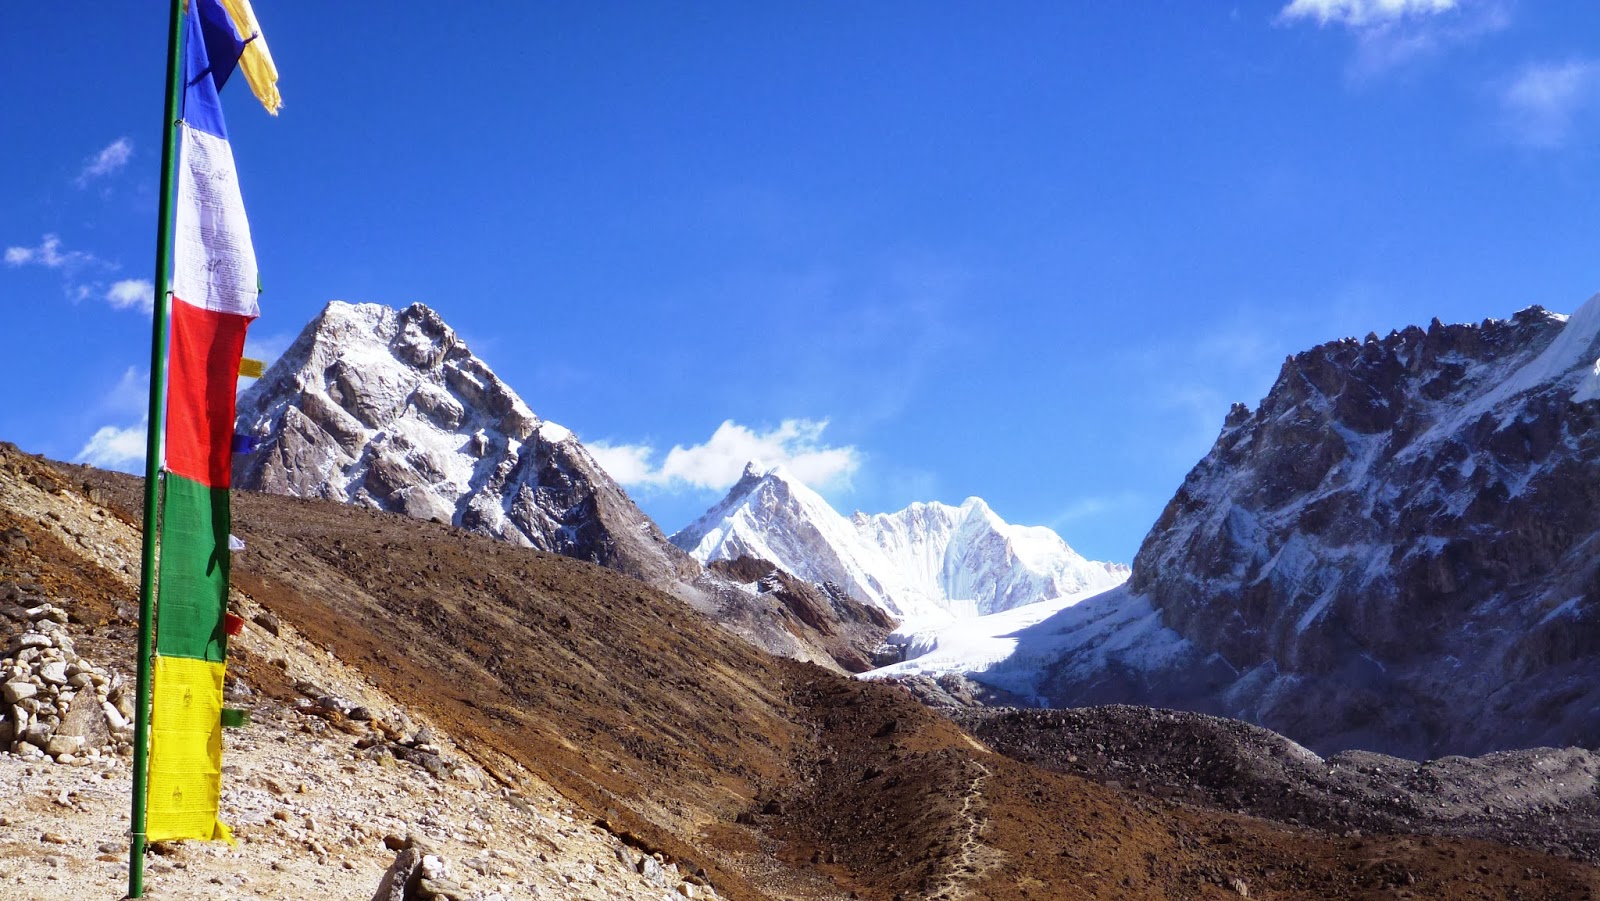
256, 63
186, 751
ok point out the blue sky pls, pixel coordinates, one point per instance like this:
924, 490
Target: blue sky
1026, 251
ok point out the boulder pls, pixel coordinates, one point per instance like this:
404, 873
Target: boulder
86, 720
401, 880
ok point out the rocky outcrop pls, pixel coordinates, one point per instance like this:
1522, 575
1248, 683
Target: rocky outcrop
824, 611
57, 705
1398, 550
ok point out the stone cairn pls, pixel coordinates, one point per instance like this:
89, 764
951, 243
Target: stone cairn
57, 705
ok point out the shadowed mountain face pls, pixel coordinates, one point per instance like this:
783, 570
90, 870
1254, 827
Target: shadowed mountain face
1399, 550
389, 409
780, 778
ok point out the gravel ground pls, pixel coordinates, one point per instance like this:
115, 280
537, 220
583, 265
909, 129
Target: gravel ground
311, 818
1542, 798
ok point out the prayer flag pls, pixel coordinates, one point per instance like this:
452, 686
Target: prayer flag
214, 291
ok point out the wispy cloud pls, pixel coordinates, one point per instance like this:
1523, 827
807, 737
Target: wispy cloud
1390, 34
1090, 508
1364, 13
48, 253
795, 444
1542, 102
79, 269
106, 162
112, 447
131, 293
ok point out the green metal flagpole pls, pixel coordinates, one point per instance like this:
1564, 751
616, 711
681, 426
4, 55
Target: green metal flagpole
152, 451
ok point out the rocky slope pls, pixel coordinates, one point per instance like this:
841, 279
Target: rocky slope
930, 561
390, 410
1399, 549
1547, 798
589, 733
330, 778
839, 621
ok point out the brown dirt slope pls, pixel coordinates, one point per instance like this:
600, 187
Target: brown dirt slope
780, 778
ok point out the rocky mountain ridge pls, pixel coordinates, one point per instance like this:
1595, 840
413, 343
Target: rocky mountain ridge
1396, 550
389, 409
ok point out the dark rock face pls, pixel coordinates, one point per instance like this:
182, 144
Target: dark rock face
1400, 548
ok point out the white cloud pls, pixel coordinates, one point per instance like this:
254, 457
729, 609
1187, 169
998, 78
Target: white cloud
132, 292
1543, 101
118, 447
48, 254
796, 445
629, 464
1361, 13
115, 448
110, 160
1391, 33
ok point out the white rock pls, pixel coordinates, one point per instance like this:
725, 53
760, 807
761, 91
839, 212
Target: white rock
114, 717
64, 744
17, 691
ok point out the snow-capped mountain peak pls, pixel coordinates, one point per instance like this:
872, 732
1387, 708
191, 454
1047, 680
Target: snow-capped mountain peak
390, 409
930, 560
968, 553
770, 515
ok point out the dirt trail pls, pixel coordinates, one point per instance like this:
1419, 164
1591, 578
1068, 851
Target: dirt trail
972, 857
